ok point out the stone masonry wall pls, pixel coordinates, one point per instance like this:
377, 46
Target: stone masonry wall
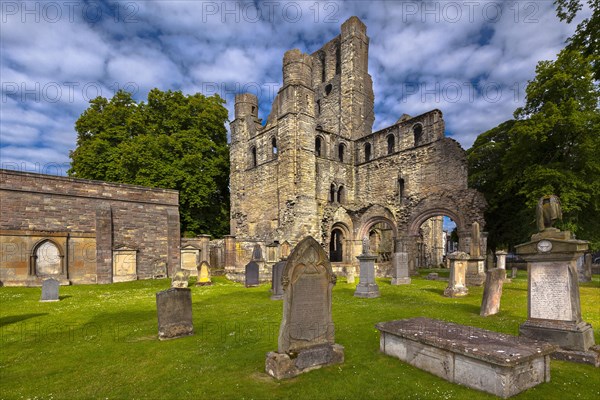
86, 220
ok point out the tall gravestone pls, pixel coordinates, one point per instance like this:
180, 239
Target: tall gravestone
367, 288
307, 334
251, 274
204, 278
174, 309
400, 269
554, 308
475, 269
584, 268
492, 291
50, 290
457, 282
276, 280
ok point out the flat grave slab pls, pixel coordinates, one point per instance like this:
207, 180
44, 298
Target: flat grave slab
500, 364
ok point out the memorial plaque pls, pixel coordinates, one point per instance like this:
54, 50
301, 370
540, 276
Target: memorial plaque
550, 292
251, 275
189, 259
50, 290
124, 265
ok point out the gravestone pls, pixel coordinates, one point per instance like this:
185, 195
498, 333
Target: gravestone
180, 279
351, 274
554, 308
492, 292
400, 269
50, 290
584, 268
307, 334
514, 272
367, 288
204, 274
251, 274
475, 275
456, 282
501, 259
276, 283
432, 276
174, 309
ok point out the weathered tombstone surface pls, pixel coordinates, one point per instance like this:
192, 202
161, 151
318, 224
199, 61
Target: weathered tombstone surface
284, 250
456, 282
501, 259
180, 279
351, 274
400, 269
554, 308
257, 253
276, 283
514, 272
493, 362
50, 290
174, 309
432, 276
492, 292
367, 288
475, 240
475, 275
307, 334
251, 275
204, 278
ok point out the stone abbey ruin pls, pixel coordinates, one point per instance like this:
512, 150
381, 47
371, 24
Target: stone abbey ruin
315, 168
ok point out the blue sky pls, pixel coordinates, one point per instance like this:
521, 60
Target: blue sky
470, 59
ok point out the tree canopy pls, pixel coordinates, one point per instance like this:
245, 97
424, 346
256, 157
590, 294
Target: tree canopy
172, 141
551, 147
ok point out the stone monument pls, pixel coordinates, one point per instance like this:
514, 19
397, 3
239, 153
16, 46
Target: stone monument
475, 269
204, 278
50, 290
584, 268
307, 334
276, 283
400, 269
554, 309
180, 279
456, 283
251, 274
367, 288
492, 291
174, 308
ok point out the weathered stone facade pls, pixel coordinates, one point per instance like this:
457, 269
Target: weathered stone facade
316, 168
81, 231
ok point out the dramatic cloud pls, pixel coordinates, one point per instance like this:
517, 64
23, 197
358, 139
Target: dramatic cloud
472, 60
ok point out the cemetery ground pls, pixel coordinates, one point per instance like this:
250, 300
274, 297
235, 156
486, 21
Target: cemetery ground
100, 341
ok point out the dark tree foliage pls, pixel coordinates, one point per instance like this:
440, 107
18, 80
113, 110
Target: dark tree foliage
174, 141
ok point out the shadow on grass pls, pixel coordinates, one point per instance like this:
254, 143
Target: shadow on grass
64, 297
434, 290
11, 319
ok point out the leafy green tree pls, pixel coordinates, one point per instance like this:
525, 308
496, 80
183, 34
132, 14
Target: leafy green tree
552, 146
173, 141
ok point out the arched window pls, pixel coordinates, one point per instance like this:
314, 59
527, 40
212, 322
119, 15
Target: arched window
274, 147
48, 260
340, 194
335, 246
328, 89
367, 151
418, 133
318, 146
390, 143
341, 150
253, 151
332, 193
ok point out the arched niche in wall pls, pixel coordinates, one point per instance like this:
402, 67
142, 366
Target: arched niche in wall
47, 259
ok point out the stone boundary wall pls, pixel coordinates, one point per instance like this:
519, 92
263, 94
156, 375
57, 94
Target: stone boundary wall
86, 221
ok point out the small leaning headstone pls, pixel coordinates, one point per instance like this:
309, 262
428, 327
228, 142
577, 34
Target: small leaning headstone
492, 292
251, 274
204, 275
174, 309
50, 290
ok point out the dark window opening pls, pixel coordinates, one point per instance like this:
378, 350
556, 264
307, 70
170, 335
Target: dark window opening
401, 188
390, 144
253, 110
338, 62
367, 151
254, 163
323, 74
341, 148
328, 89
274, 147
332, 193
318, 107
335, 246
340, 194
418, 133
318, 147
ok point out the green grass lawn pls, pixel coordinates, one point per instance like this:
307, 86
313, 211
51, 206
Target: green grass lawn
100, 341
